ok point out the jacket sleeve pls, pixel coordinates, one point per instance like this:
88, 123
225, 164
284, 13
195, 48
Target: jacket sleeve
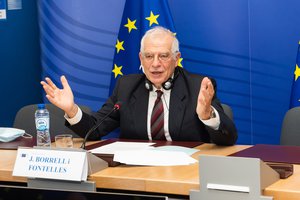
88, 121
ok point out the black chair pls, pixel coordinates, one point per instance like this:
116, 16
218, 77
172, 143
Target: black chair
25, 119
228, 111
290, 129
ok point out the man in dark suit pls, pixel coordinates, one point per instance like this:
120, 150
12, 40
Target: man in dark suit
166, 102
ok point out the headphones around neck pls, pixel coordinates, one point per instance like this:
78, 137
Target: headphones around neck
166, 85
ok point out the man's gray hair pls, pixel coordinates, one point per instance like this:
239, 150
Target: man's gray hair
160, 29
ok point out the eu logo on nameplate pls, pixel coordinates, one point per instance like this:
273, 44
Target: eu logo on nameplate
51, 164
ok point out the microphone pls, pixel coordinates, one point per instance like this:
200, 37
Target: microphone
116, 107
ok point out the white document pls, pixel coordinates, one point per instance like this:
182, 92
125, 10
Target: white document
51, 164
121, 146
153, 158
187, 150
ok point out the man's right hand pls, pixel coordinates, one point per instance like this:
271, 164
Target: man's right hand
62, 98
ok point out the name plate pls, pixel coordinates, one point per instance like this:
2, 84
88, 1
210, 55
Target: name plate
50, 163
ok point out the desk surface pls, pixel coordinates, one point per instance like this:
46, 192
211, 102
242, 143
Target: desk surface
176, 180
173, 180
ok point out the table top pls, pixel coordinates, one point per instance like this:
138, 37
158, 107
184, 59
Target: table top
165, 179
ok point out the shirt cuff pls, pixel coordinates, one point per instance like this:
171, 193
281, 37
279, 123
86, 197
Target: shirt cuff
76, 118
213, 123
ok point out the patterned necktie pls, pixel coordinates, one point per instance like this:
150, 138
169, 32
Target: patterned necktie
157, 119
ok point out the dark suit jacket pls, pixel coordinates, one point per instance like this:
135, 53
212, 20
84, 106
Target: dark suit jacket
184, 124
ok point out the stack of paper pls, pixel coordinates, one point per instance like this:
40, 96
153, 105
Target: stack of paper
121, 146
153, 158
142, 153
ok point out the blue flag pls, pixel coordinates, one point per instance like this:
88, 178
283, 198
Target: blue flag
295, 95
138, 17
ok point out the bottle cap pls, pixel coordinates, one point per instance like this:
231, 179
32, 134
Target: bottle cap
41, 106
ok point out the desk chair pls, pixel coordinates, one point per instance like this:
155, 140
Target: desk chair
25, 119
290, 129
228, 111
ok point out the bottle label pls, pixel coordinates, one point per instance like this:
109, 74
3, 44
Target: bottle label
42, 124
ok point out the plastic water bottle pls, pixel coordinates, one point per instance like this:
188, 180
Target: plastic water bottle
42, 123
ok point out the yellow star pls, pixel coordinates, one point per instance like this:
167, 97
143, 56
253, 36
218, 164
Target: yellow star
152, 18
297, 72
130, 25
179, 62
119, 46
117, 70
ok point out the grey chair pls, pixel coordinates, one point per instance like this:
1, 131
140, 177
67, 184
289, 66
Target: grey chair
24, 119
228, 111
290, 129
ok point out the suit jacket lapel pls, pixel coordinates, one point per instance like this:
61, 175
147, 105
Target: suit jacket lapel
177, 107
139, 107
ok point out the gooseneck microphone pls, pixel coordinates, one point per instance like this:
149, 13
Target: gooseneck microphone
116, 107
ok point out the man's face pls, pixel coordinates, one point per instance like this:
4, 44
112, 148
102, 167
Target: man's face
157, 59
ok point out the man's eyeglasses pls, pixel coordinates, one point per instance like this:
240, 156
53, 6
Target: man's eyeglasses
164, 57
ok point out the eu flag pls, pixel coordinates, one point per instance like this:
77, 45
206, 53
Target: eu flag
138, 17
295, 95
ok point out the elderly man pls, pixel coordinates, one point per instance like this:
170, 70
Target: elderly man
164, 103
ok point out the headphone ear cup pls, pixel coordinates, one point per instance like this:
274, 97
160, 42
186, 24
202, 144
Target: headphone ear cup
148, 85
168, 84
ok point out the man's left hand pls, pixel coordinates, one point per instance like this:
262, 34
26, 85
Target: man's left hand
205, 97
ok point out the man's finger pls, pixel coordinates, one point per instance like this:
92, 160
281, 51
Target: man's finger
50, 83
64, 82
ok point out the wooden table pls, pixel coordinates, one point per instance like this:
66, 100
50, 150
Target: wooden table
175, 180
171, 180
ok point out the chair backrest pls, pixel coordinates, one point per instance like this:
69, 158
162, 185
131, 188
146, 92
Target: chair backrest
25, 119
290, 129
228, 111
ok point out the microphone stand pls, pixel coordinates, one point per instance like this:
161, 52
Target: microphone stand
116, 107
